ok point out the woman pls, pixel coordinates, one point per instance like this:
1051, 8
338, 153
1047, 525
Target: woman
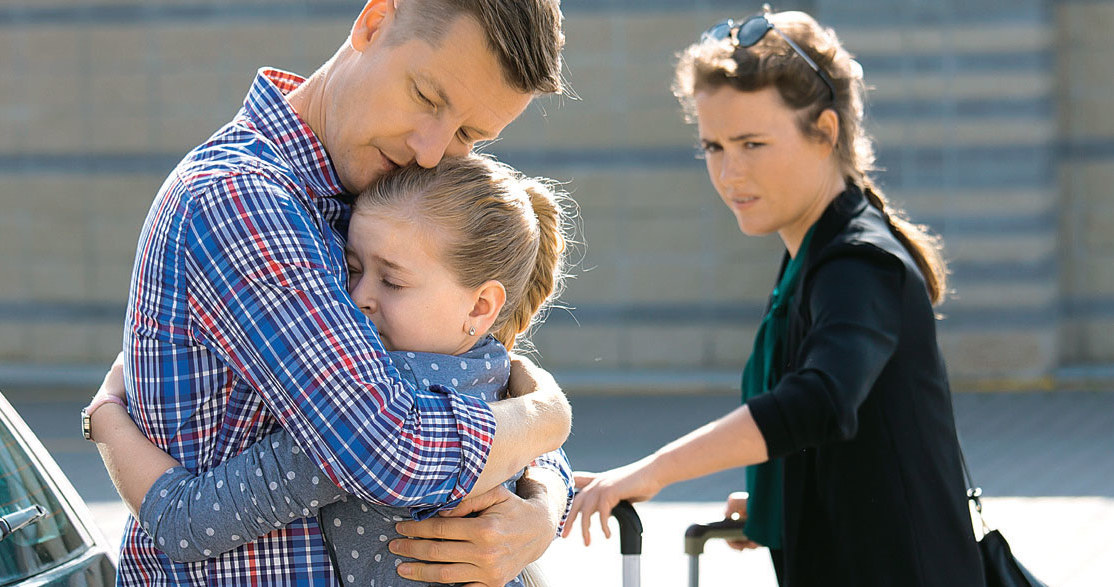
847, 428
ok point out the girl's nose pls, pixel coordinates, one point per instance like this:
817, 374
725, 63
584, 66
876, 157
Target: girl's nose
360, 290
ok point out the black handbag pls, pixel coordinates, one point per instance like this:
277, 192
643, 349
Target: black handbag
1000, 566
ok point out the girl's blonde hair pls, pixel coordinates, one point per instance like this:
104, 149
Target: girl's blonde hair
494, 223
710, 65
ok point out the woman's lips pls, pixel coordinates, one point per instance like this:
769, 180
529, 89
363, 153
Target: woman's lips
742, 201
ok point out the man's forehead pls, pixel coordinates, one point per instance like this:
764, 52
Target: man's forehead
468, 76
484, 106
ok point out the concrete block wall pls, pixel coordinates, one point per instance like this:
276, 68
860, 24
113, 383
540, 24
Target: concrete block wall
992, 128
1086, 177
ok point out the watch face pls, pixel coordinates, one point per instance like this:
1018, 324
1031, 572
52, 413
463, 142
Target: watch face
86, 425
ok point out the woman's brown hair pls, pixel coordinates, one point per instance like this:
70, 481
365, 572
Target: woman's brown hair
497, 224
709, 65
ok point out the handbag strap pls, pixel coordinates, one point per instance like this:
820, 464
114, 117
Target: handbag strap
974, 493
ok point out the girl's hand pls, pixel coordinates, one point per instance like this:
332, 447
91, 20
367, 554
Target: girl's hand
736, 509
600, 492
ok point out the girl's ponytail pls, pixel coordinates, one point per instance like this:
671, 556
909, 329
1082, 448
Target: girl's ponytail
546, 279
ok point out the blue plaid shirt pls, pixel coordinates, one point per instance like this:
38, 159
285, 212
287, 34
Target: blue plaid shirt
239, 321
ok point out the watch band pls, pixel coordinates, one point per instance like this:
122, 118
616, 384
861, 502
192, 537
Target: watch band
87, 413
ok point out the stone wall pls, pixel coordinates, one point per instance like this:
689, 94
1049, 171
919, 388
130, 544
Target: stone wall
992, 122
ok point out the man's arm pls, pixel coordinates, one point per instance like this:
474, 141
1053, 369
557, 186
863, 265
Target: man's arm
267, 298
536, 409
510, 531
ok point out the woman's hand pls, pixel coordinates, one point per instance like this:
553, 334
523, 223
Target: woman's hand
736, 509
600, 492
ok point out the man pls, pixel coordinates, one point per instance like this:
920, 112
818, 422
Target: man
238, 319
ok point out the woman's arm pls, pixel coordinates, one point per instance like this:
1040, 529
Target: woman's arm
856, 311
731, 441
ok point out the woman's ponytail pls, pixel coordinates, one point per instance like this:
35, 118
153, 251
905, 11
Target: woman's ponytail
926, 249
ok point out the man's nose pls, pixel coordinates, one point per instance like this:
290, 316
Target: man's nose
430, 143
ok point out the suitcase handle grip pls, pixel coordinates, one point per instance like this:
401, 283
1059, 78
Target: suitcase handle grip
697, 534
630, 528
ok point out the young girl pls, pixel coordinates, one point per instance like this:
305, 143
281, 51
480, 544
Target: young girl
451, 264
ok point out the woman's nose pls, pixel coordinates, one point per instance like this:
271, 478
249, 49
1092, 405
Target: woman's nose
731, 168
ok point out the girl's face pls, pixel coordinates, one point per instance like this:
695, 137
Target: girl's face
397, 279
771, 176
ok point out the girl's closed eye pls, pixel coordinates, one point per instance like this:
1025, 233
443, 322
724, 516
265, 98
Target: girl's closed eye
390, 284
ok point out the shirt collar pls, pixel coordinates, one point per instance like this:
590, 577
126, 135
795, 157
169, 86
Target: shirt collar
267, 109
847, 205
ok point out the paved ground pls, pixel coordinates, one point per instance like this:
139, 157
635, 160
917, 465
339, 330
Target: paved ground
1046, 460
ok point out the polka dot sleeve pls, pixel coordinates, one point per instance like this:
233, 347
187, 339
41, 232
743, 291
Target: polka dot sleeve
195, 517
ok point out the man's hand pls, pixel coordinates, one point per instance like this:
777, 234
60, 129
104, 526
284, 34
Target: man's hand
113, 383
486, 551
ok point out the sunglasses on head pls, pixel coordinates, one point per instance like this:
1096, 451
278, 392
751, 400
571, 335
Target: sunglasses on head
750, 31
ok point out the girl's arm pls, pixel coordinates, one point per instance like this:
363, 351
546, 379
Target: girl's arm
195, 517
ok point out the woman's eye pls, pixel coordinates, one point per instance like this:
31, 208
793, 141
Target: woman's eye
390, 284
751, 145
353, 270
710, 148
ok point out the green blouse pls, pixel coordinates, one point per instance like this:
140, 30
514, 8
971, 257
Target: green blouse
761, 374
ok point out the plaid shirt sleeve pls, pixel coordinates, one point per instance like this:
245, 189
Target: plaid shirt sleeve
558, 462
266, 296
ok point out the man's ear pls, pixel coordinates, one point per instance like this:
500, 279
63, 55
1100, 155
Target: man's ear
370, 22
489, 301
828, 125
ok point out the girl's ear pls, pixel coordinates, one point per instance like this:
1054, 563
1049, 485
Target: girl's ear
370, 22
490, 298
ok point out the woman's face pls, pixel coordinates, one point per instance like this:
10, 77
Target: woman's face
771, 176
397, 279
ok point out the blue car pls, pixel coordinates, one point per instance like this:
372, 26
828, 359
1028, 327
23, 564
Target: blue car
47, 535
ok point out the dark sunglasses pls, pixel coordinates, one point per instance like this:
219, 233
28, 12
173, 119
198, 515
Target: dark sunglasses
750, 31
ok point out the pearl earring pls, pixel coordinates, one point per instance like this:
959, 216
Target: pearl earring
471, 331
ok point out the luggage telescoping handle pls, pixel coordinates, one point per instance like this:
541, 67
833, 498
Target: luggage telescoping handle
697, 534
630, 542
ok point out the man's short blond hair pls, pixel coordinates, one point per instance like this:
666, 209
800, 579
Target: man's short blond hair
525, 35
